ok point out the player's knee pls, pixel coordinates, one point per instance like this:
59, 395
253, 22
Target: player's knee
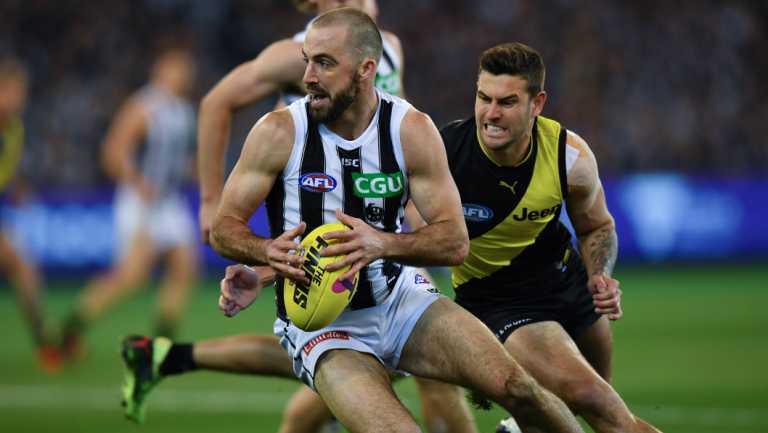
515, 388
591, 397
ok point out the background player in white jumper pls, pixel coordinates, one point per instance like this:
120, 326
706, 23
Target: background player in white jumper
152, 218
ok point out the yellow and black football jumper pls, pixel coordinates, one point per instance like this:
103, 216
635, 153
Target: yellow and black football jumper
520, 268
11, 147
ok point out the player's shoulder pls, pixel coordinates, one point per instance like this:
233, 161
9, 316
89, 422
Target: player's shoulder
276, 126
458, 132
392, 39
576, 142
396, 101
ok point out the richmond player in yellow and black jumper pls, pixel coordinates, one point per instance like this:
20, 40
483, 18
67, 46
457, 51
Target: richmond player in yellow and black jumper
23, 274
515, 169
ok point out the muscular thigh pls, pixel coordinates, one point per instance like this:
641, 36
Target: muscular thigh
451, 345
357, 389
546, 351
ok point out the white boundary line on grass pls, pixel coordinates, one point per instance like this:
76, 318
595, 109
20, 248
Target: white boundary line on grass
178, 400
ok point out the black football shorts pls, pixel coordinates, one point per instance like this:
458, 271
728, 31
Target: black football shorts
505, 301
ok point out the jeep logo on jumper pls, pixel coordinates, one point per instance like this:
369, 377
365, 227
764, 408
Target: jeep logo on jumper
317, 182
377, 185
535, 214
477, 213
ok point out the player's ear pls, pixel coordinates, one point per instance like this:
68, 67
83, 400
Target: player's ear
367, 68
538, 102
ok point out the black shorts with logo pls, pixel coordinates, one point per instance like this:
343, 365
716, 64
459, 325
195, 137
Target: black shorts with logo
512, 298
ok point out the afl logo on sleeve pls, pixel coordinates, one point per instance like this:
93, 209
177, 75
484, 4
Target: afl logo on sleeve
317, 182
477, 212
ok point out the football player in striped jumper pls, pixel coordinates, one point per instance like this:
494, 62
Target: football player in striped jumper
278, 69
344, 148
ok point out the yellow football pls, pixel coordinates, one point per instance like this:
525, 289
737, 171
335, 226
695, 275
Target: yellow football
316, 305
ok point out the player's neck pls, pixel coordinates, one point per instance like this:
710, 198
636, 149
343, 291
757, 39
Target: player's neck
357, 117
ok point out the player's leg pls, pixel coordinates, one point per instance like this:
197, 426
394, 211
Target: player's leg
246, 354
306, 412
25, 279
444, 408
149, 360
547, 351
596, 344
357, 389
130, 272
175, 289
450, 344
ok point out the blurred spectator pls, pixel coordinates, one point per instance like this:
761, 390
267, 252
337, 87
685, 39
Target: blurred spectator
656, 85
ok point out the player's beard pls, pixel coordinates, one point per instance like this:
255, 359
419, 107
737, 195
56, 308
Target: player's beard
338, 103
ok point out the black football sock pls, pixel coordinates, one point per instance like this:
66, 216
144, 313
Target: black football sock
178, 360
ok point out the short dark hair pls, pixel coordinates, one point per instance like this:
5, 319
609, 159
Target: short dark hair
363, 35
515, 58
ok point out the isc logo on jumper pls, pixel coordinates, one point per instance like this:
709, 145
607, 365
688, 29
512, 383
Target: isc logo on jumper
476, 212
377, 185
317, 182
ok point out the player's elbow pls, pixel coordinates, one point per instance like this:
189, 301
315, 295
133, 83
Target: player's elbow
459, 250
219, 235
215, 102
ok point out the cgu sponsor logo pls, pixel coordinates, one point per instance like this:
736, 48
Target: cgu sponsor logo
317, 182
378, 185
476, 212
536, 214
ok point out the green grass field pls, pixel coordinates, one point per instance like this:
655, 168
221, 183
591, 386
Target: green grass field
691, 356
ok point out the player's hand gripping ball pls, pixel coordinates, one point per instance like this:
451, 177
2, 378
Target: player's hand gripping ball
314, 306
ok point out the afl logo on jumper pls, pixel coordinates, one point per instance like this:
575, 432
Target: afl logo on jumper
317, 182
477, 213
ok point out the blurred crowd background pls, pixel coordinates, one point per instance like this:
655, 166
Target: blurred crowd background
653, 86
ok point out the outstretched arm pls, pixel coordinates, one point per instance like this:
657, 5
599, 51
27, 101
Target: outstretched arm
443, 241
125, 133
277, 66
594, 228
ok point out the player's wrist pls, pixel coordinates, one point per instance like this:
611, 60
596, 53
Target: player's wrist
390, 245
209, 197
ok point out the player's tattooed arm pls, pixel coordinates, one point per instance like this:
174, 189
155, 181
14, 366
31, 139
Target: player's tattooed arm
589, 213
599, 249
595, 229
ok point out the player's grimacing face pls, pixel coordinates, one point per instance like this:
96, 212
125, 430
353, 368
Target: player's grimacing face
330, 76
504, 110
